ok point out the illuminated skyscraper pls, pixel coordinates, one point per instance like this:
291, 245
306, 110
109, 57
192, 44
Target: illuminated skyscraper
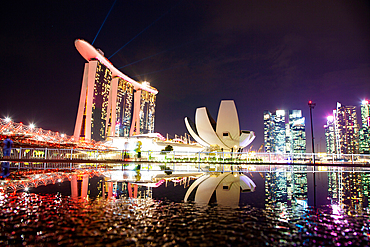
120, 122
281, 137
364, 136
330, 135
297, 132
94, 101
268, 132
111, 103
280, 134
348, 130
143, 117
342, 131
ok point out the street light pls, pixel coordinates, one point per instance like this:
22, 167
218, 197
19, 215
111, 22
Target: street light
312, 105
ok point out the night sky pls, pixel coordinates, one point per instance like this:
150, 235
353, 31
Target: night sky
265, 55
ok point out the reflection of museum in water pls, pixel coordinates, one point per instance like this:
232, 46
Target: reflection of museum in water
277, 208
273, 186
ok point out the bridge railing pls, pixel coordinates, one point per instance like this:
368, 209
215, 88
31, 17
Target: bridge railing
183, 156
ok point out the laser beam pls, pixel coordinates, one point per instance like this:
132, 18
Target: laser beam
103, 22
145, 29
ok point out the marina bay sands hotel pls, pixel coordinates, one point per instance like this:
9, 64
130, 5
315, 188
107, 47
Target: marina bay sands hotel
111, 103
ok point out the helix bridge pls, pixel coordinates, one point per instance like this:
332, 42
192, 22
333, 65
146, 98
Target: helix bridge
30, 136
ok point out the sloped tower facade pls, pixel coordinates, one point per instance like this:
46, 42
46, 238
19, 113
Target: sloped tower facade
111, 103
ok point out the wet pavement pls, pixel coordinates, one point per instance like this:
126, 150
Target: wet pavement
291, 206
29, 219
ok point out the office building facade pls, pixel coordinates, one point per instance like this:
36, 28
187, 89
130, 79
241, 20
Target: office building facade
342, 131
364, 135
268, 132
297, 132
330, 135
282, 137
280, 131
348, 129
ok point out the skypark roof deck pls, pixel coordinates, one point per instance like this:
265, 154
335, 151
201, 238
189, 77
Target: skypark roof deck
89, 52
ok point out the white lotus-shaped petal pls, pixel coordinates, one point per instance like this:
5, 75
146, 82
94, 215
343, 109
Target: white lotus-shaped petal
246, 137
225, 133
206, 127
227, 120
191, 128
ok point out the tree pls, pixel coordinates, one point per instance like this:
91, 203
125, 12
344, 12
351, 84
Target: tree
168, 148
138, 149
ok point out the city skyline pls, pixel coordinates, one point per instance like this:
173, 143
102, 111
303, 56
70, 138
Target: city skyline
263, 55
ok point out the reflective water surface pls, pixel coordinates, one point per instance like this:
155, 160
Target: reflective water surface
280, 212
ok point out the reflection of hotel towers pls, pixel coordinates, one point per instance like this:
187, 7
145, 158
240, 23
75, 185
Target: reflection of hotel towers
111, 103
286, 186
348, 188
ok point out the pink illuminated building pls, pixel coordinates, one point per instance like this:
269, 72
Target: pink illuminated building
111, 103
342, 131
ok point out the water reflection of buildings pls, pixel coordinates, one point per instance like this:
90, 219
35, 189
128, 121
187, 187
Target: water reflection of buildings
335, 185
348, 188
286, 186
129, 190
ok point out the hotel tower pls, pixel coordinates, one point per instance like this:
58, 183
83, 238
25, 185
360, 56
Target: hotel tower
111, 103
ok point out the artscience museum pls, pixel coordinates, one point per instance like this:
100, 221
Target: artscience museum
224, 134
